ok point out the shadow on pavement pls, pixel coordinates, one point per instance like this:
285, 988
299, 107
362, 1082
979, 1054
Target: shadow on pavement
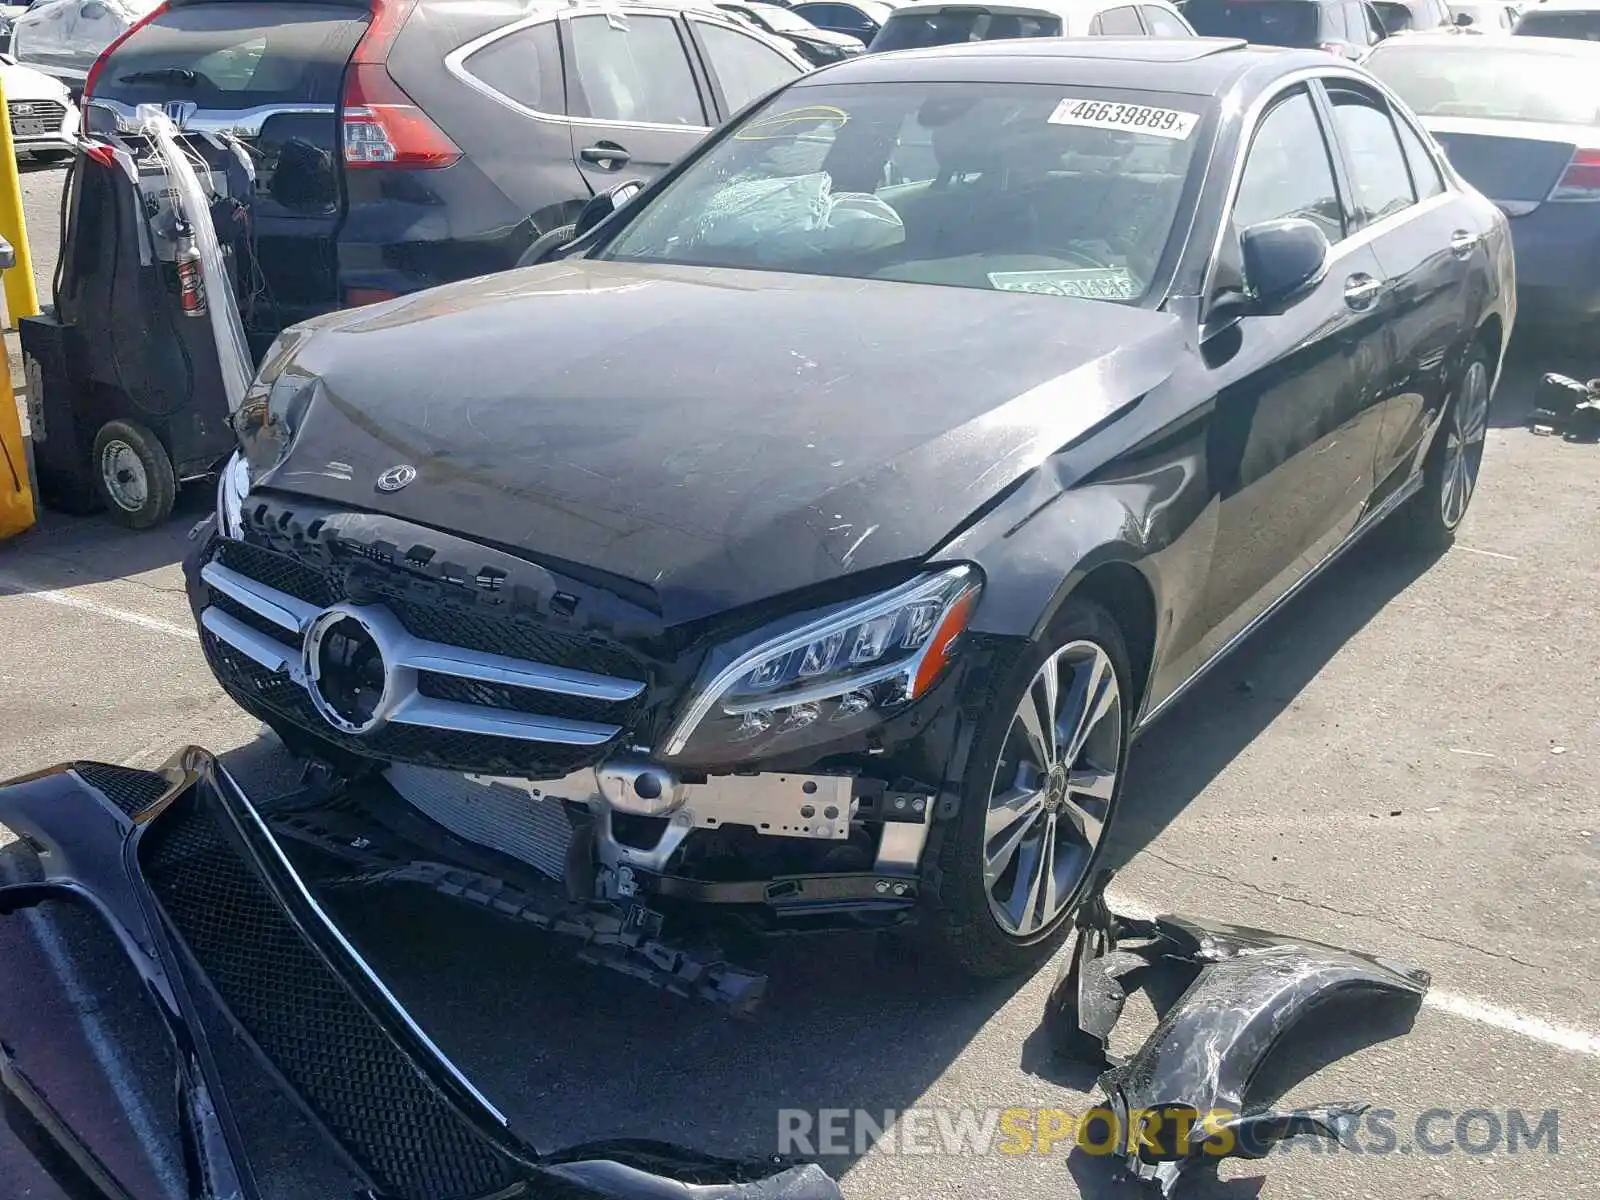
1227, 710
64, 552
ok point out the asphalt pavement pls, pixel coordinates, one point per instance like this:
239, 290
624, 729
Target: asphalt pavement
1405, 760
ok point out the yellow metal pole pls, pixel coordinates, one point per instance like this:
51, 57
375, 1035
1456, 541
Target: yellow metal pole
16, 490
22, 300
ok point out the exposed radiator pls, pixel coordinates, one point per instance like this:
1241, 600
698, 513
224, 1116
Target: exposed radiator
533, 829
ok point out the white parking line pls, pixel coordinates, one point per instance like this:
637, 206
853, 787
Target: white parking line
1467, 1008
17, 586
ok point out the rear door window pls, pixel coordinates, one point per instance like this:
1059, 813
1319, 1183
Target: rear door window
1118, 22
1379, 174
524, 66
744, 67
1162, 23
633, 69
1267, 22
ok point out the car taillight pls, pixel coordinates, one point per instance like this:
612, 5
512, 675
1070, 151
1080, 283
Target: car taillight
1331, 47
382, 127
116, 43
356, 297
1581, 181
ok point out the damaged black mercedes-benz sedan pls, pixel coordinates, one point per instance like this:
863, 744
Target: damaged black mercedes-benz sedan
808, 544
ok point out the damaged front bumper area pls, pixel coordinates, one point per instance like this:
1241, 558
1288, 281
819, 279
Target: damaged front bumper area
1178, 1102
219, 923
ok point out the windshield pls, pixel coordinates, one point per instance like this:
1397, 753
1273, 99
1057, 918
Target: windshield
1267, 22
1009, 187
1496, 82
948, 26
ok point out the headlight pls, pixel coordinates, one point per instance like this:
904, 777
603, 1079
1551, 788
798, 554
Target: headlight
832, 676
232, 488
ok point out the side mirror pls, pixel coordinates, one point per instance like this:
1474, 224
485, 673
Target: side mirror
601, 207
1282, 260
92, 11
1463, 18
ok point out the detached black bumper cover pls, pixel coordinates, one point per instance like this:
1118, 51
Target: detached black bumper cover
1178, 1100
183, 870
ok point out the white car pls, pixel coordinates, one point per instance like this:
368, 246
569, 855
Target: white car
44, 120
64, 37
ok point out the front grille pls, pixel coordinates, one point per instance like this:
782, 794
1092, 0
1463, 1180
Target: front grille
50, 112
464, 722
368, 1095
131, 790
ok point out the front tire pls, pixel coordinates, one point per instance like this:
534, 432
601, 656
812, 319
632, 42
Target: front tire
1450, 475
1040, 790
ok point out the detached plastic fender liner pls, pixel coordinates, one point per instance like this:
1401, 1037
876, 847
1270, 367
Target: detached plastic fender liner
124, 842
1250, 989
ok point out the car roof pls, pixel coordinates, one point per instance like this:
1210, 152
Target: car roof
1564, 6
1059, 8
1191, 66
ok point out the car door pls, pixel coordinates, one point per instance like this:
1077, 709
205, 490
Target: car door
1292, 437
1430, 250
635, 100
740, 67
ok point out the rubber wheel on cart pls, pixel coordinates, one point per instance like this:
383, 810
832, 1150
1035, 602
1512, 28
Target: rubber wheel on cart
134, 475
1041, 785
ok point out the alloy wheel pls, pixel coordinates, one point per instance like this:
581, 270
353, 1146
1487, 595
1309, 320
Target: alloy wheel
1052, 789
124, 476
1463, 446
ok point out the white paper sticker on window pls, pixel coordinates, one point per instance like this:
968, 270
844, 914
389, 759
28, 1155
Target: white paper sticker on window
1110, 283
1126, 118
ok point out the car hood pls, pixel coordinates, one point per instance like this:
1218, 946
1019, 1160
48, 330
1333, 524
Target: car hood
24, 83
718, 436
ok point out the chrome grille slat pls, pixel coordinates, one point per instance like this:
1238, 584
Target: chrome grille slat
407, 655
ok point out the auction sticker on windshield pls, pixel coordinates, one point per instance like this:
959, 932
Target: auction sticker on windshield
1111, 283
1125, 118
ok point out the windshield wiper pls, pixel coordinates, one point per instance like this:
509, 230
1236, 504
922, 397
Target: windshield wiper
163, 75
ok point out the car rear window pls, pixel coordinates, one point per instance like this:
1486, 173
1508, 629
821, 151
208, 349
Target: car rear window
948, 26
233, 56
1498, 83
1584, 26
1052, 189
1267, 22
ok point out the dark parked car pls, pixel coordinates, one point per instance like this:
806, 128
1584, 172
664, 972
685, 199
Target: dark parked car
1578, 20
853, 615
1348, 28
817, 46
1414, 16
859, 19
1520, 120
918, 26
408, 143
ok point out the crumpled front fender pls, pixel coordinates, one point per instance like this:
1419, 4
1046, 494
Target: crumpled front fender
1179, 1099
220, 926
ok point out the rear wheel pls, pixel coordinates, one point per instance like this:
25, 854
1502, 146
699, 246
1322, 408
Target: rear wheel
134, 474
1039, 793
1450, 475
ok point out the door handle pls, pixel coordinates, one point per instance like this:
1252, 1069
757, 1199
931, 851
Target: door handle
1463, 243
1361, 290
608, 156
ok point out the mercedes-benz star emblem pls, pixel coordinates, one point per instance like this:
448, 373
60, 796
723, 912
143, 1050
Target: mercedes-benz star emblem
396, 477
345, 671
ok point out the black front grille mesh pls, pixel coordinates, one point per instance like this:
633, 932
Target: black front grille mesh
369, 1096
129, 789
277, 571
259, 689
